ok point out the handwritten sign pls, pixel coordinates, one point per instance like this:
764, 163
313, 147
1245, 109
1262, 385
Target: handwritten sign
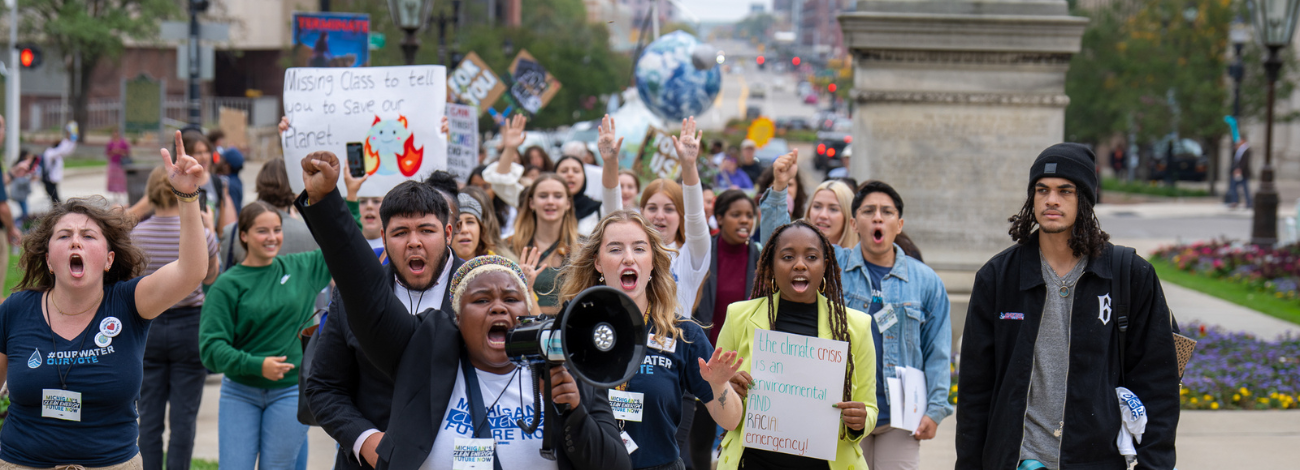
474, 84
394, 111
658, 157
796, 380
532, 86
462, 140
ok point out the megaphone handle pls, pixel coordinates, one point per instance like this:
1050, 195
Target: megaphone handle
551, 426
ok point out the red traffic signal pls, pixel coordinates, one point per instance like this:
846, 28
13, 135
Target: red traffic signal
29, 56
761, 60
795, 61
830, 88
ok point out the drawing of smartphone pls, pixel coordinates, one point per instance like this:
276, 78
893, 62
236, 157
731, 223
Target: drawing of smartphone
356, 161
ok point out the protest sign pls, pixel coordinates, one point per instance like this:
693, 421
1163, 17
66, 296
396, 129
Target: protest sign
473, 83
331, 40
462, 140
234, 123
658, 157
531, 85
394, 111
796, 380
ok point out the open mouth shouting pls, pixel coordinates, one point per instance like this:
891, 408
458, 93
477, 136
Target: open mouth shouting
417, 265
496, 334
742, 232
800, 283
627, 280
76, 266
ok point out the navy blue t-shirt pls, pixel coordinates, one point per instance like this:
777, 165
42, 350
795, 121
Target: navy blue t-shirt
664, 377
108, 379
877, 275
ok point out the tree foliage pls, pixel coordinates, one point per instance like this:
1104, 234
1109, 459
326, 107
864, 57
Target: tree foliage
555, 32
1159, 66
91, 31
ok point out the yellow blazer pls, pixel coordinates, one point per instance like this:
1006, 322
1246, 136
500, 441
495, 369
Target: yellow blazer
738, 335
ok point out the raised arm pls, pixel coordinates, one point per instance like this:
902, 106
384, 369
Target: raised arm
611, 199
171, 283
697, 243
772, 208
505, 180
380, 323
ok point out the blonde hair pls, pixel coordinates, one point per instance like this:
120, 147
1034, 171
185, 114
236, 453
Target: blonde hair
526, 223
844, 194
674, 192
159, 189
662, 291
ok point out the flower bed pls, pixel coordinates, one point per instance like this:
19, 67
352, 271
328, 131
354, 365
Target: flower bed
1271, 270
1233, 371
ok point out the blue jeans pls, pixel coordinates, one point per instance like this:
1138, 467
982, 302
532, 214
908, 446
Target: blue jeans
1233, 185
172, 373
254, 421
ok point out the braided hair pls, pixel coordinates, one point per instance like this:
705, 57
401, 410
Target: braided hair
765, 286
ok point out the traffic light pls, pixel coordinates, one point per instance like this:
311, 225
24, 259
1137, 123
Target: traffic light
761, 60
795, 61
29, 56
830, 88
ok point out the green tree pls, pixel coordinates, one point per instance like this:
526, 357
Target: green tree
754, 27
85, 32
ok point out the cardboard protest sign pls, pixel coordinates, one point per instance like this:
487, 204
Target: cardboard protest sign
531, 85
462, 140
658, 157
473, 83
331, 40
394, 111
796, 380
234, 123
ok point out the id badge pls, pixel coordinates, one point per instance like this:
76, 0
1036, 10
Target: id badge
473, 454
627, 406
629, 443
669, 345
61, 404
886, 318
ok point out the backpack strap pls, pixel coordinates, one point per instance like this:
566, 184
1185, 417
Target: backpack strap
1121, 266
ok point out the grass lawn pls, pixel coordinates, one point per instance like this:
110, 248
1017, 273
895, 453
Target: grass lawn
1240, 294
84, 163
1158, 189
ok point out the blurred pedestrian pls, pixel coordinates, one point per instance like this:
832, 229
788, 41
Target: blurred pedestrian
51, 169
118, 151
1239, 175
233, 159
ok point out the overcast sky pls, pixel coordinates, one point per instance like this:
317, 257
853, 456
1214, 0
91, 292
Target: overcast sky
723, 10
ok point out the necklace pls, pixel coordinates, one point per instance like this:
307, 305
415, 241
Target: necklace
83, 312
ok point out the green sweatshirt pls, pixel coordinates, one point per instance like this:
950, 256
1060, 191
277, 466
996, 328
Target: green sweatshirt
254, 313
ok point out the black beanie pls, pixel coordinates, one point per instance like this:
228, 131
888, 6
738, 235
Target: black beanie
1074, 162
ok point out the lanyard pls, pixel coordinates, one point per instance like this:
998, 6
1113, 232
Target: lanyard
478, 412
63, 376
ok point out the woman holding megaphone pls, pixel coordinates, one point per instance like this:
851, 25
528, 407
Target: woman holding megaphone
626, 253
455, 390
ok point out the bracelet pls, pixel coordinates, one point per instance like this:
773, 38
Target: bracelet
190, 197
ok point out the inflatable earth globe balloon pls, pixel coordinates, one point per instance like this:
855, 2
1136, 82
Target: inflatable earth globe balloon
669, 85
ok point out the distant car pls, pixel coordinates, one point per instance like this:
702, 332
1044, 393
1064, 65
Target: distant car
793, 123
758, 90
774, 148
753, 112
810, 98
1189, 162
830, 149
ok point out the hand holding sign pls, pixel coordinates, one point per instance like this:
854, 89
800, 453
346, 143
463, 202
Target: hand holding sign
853, 413
320, 174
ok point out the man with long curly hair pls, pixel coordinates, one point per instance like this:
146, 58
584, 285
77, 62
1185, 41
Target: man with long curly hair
1044, 355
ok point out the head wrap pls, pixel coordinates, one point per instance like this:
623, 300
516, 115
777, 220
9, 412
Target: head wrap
479, 266
469, 205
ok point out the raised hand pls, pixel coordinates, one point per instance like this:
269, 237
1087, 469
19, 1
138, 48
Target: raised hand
605, 142
529, 266
784, 170
688, 146
853, 414
185, 174
320, 174
512, 133
353, 184
721, 367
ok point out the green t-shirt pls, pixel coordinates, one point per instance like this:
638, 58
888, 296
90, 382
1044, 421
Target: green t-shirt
254, 313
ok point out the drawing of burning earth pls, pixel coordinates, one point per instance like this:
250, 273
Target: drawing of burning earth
390, 148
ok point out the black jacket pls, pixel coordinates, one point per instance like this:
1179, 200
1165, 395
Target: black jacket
347, 394
997, 356
422, 354
1243, 164
709, 295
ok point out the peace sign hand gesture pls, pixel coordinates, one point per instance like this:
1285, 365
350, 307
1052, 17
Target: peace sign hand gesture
186, 173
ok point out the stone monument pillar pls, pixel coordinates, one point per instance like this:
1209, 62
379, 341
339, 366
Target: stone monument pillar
953, 101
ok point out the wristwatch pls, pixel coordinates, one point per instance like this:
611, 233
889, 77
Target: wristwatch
186, 197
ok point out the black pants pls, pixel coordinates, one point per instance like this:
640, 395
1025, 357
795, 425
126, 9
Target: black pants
53, 190
172, 373
703, 432
684, 431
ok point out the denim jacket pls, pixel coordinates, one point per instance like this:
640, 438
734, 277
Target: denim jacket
922, 337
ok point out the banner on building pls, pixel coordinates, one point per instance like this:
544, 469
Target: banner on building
331, 40
395, 112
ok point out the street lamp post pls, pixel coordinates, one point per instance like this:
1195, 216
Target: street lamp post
442, 20
1275, 22
409, 15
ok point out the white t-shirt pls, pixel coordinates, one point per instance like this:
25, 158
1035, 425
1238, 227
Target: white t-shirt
431, 298
688, 278
513, 401
376, 243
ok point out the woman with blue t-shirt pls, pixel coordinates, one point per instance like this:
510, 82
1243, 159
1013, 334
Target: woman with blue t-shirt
625, 253
249, 332
76, 328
